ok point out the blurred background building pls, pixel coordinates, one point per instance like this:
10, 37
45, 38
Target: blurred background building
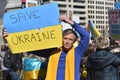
85, 10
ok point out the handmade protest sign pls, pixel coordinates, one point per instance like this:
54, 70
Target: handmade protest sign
114, 23
31, 18
32, 29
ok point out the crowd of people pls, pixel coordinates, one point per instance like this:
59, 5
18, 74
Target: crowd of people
92, 59
102, 59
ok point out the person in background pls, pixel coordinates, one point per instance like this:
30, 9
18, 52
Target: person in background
102, 64
83, 65
116, 46
116, 50
14, 61
23, 3
5, 70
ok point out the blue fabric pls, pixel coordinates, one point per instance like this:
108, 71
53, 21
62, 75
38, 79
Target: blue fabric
14, 75
81, 48
79, 51
117, 5
61, 67
32, 64
92, 28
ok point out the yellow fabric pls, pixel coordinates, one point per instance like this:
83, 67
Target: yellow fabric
30, 75
97, 33
53, 64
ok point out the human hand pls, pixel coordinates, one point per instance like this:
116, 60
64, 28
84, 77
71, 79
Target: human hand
64, 18
5, 34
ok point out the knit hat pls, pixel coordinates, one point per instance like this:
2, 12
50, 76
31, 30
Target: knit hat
102, 42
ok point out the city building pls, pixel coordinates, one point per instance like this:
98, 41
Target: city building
95, 10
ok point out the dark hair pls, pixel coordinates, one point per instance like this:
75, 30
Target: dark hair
4, 48
69, 31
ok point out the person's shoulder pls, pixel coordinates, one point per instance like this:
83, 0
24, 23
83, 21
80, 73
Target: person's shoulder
115, 50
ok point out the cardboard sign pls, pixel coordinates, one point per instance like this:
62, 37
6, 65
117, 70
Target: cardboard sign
114, 23
34, 28
31, 40
31, 18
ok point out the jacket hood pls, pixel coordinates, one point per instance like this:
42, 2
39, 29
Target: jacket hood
100, 59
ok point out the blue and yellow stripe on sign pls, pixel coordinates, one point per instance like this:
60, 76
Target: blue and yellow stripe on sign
94, 30
32, 18
36, 39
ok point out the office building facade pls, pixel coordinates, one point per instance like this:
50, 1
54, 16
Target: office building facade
95, 10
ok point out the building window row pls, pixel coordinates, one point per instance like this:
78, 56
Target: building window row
82, 18
81, 1
61, 5
108, 8
99, 12
78, 12
99, 7
91, 16
90, 1
91, 6
79, 7
99, 17
99, 22
91, 11
100, 2
108, 3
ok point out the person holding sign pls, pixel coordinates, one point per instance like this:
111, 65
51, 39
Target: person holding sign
64, 62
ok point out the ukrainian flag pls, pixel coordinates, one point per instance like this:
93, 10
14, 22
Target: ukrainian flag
94, 30
33, 68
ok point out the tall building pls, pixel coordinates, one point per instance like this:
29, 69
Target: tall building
95, 10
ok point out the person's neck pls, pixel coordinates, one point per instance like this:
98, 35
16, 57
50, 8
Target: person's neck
65, 50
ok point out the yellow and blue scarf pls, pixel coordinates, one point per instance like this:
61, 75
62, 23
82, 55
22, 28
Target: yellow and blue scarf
53, 65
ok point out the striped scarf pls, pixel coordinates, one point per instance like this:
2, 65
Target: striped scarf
53, 65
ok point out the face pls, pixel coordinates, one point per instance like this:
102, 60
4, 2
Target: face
68, 41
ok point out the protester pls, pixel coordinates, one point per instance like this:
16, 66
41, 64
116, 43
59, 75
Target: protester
12, 62
4, 70
116, 46
64, 62
23, 5
102, 64
83, 71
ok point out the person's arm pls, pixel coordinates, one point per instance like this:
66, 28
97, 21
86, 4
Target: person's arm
116, 59
42, 53
64, 18
84, 35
